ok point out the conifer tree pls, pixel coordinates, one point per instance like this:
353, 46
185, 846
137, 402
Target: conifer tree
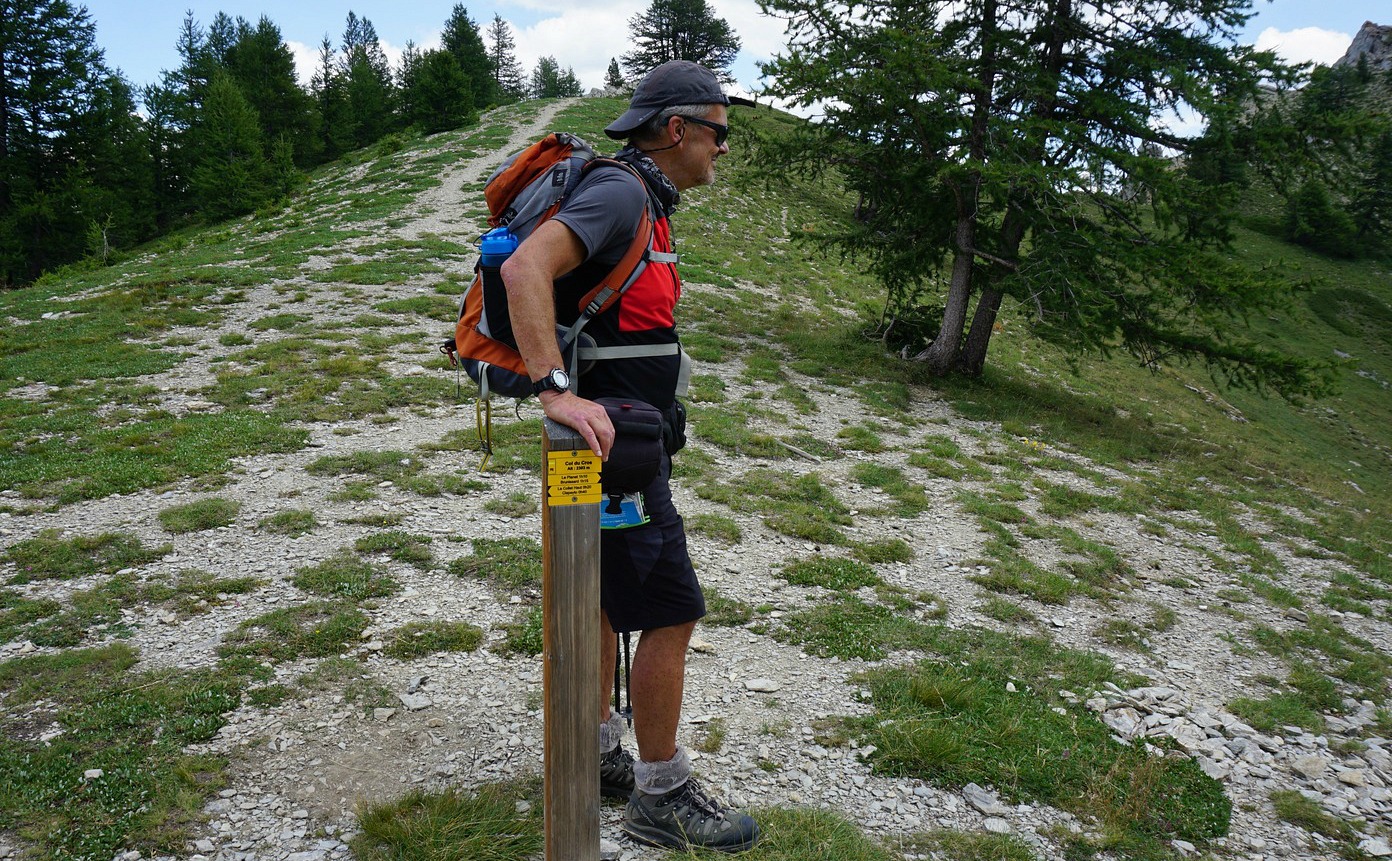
230, 173
367, 82
461, 38
502, 58
329, 91
439, 94
264, 69
71, 151
613, 78
1016, 148
680, 30
550, 82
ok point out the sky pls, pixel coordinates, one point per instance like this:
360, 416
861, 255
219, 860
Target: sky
138, 36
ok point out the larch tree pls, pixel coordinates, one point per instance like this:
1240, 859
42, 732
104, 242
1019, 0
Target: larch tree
72, 151
680, 30
461, 39
502, 59
1020, 148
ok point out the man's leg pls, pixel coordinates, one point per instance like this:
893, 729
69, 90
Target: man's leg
668, 806
659, 676
615, 763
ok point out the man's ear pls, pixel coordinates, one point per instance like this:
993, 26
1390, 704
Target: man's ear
675, 134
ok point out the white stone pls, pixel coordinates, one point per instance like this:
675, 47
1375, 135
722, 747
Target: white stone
996, 825
763, 686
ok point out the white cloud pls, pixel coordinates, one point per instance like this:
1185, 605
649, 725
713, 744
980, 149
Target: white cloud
1305, 45
583, 39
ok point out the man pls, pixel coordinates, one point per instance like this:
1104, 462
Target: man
676, 129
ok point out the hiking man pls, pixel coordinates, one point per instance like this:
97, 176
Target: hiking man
675, 130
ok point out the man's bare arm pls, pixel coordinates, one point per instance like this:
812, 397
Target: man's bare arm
529, 275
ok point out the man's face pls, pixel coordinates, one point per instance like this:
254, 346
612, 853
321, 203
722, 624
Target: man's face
699, 150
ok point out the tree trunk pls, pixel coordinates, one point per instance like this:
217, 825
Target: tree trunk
972, 361
941, 355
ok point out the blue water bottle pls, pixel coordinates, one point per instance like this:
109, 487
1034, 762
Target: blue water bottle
496, 246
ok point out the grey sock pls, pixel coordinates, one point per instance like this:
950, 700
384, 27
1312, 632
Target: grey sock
656, 778
611, 732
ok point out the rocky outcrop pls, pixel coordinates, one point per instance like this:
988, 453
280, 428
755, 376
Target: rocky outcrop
1373, 41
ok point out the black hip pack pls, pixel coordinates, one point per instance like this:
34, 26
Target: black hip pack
636, 455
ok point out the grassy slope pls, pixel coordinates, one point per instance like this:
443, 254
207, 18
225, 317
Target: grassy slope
78, 422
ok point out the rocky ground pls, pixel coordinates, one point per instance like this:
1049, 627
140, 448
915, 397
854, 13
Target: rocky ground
301, 768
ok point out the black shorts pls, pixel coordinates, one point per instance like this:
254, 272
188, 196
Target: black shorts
646, 578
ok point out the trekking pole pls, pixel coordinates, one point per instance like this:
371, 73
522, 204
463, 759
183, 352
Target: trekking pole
623, 680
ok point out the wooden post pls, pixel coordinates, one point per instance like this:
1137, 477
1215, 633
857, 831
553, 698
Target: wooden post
570, 607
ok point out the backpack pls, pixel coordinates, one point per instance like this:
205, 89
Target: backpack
528, 188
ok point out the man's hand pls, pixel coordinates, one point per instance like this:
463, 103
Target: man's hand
586, 418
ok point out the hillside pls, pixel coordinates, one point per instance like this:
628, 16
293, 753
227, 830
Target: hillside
254, 583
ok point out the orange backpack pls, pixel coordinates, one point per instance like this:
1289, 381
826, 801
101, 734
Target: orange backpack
527, 189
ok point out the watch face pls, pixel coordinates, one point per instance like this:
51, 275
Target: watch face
560, 379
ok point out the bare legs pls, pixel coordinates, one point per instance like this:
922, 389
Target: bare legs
658, 680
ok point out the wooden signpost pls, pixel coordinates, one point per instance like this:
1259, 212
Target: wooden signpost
570, 607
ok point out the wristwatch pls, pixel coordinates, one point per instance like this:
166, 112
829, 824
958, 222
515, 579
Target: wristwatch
556, 380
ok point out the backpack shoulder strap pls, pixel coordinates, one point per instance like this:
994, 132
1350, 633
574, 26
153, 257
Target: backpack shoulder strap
639, 254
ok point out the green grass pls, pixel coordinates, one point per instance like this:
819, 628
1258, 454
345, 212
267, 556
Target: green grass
134, 727
716, 526
316, 629
51, 556
399, 546
418, 639
954, 721
512, 563
1292, 807
199, 516
839, 575
456, 825
91, 462
796, 505
345, 576
298, 521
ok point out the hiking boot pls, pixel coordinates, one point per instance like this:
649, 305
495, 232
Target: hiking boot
616, 773
686, 817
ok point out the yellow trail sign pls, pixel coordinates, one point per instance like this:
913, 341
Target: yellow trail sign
572, 477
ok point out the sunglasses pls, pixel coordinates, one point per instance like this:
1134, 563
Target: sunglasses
721, 132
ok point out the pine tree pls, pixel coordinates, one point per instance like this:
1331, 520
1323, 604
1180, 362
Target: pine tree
549, 82
329, 91
1371, 207
439, 94
264, 69
230, 174
461, 38
680, 30
367, 82
613, 78
72, 152
502, 57
1018, 149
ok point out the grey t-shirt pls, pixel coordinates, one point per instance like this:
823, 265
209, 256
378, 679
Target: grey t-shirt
603, 212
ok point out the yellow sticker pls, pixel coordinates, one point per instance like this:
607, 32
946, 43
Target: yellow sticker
572, 478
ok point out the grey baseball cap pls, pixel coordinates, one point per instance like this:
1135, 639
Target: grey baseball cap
676, 82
